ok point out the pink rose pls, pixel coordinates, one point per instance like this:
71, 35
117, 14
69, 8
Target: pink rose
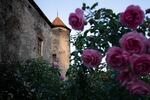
91, 58
125, 77
132, 17
148, 46
76, 20
133, 42
62, 77
117, 58
140, 64
138, 87
55, 65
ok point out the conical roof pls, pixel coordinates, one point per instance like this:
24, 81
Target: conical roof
58, 22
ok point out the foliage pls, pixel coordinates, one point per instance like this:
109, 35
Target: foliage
31, 80
99, 83
35, 79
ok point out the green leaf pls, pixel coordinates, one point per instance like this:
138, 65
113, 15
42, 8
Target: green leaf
94, 5
97, 14
83, 6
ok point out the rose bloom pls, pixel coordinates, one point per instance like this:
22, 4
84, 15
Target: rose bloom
132, 17
138, 87
148, 46
125, 77
133, 42
91, 58
140, 64
76, 20
55, 65
117, 58
62, 77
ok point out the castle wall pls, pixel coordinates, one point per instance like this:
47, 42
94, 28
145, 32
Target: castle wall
60, 36
20, 27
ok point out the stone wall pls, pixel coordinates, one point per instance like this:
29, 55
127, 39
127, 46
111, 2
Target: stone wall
20, 26
61, 47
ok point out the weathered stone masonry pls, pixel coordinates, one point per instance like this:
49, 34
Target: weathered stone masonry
25, 32
21, 24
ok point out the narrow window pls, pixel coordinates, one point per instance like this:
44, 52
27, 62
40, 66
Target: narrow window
40, 47
54, 57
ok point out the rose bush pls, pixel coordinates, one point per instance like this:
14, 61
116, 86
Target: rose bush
135, 44
138, 65
123, 38
124, 76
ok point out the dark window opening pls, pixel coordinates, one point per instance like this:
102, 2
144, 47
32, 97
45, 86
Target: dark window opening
54, 57
40, 47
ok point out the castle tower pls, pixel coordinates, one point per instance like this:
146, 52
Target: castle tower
60, 45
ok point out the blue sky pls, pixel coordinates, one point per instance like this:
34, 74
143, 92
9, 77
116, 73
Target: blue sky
65, 7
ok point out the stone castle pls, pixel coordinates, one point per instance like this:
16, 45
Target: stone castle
25, 32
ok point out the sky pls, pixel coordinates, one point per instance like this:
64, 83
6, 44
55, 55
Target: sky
65, 7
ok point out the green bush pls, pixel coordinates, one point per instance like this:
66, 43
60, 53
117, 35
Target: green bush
35, 79
100, 83
30, 80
